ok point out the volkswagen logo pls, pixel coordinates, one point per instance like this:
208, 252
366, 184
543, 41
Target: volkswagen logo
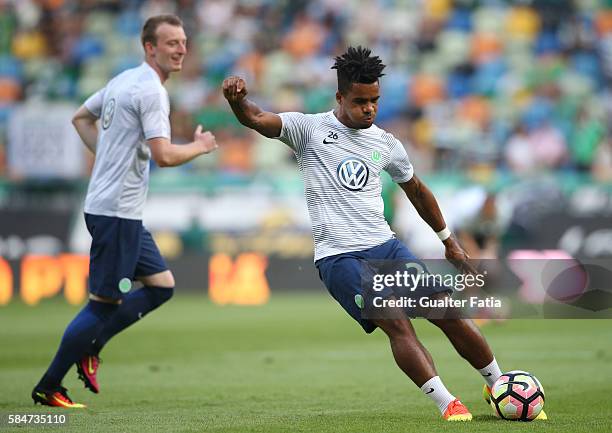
107, 116
353, 173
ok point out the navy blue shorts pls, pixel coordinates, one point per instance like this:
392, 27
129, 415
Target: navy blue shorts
343, 276
121, 251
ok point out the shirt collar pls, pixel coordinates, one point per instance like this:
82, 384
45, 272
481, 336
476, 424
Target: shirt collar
145, 65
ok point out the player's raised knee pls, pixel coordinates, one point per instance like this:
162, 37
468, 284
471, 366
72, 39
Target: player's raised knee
161, 294
161, 279
396, 328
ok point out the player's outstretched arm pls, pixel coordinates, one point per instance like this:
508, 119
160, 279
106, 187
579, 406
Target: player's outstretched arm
166, 154
426, 205
85, 124
247, 112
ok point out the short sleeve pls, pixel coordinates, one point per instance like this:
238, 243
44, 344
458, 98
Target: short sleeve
94, 103
399, 166
296, 130
153, 109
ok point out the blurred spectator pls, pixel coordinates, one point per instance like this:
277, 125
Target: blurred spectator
305, 38
480, 233
2, 159
518, 151
543, 148
602, 165
236, 154
522, 23
586, 139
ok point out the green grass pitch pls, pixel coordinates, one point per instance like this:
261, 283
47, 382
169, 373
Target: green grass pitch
298, 364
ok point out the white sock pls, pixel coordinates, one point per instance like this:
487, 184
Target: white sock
435, 389
491, 372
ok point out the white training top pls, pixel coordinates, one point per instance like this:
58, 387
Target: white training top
133, 108
341, 169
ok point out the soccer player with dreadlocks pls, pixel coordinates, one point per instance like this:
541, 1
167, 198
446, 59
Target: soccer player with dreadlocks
341, 154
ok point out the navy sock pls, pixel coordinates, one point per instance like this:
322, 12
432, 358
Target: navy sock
134, 307
77, 338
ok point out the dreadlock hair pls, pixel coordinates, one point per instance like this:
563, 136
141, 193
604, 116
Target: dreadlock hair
357, 66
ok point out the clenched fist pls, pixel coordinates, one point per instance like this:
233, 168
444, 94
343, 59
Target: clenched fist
234, 89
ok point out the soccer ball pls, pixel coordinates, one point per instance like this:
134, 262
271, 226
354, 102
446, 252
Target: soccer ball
517, 395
